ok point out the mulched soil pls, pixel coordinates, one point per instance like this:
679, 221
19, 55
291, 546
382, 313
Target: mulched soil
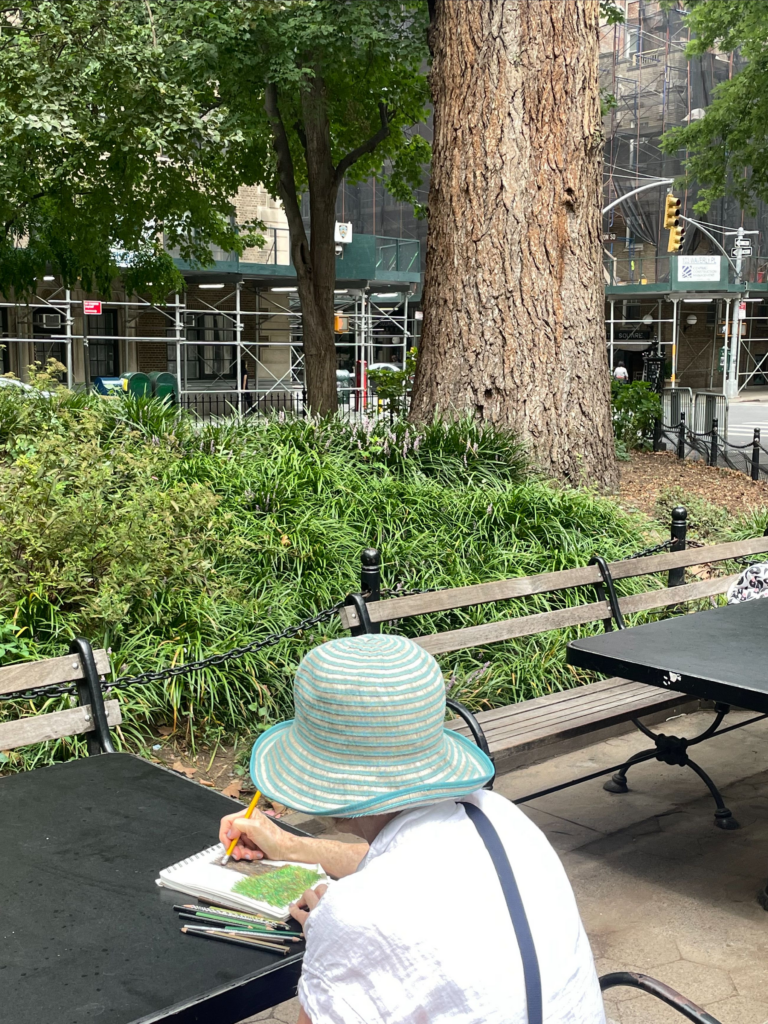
650, 473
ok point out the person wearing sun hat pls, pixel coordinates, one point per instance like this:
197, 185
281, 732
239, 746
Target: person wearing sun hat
416, 927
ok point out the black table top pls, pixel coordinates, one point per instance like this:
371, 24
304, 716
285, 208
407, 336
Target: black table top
86, 934
719, 654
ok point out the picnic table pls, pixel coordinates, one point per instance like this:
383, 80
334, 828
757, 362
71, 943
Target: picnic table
86, 934
716, 655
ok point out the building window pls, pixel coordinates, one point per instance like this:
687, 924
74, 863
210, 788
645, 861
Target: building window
103, 346
48, 326
207, 362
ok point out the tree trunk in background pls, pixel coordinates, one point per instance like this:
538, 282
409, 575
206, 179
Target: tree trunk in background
513, 300
314, 258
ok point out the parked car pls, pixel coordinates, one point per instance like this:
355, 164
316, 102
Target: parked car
20, 385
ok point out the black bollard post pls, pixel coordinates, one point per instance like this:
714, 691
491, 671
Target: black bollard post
370, 578
713, 444
681, 437
657, 434
678, 531
756, 454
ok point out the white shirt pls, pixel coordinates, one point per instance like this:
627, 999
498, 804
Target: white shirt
421, 933
621, 373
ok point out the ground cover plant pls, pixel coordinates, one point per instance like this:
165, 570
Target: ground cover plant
164, 540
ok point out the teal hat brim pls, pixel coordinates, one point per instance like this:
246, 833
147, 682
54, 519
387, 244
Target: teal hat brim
288, 773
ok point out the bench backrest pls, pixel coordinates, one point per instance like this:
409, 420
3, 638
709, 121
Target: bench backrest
33, 675
542, 622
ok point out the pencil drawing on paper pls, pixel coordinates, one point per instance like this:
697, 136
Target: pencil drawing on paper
278, 887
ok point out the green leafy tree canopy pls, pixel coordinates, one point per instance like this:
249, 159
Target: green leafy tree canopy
732, 137
111, 151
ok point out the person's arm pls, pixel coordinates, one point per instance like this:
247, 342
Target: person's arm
261, 837
303, 1018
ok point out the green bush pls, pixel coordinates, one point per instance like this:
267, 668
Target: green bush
128, 523
635, 407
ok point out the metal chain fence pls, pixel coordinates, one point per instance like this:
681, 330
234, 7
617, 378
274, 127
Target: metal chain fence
187, 668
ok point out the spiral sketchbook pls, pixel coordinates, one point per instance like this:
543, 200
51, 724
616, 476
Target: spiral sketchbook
265, 887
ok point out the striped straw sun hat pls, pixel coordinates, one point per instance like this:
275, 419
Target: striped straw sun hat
368, 735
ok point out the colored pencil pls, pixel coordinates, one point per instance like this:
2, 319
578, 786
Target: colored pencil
240, 940
270, 934
248, 813
224, 912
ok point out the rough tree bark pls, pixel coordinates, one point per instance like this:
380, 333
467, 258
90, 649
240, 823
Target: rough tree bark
315, 261
513, 301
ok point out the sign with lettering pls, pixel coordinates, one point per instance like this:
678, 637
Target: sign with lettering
698, 268
92, 307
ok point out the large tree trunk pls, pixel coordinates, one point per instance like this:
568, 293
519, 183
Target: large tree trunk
313, 258
513, 301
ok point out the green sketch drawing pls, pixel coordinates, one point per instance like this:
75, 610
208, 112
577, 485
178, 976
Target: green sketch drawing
278, 888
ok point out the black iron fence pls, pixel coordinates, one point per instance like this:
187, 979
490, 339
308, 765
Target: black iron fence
712, 447
352, 402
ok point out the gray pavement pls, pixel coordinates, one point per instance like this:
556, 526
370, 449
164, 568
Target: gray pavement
746, 413
660, 889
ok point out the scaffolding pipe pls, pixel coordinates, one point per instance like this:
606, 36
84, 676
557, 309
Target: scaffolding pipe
674, 343
68, 332
238, 351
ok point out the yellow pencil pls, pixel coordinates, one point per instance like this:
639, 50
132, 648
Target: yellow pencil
248, 813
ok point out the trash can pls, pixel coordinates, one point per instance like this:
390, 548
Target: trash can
164, 386
136, 383
108, 385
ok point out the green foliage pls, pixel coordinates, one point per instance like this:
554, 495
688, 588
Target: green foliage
393, 386
706, 521
635, 407
111, 140
611, 11
731, 137
162, 540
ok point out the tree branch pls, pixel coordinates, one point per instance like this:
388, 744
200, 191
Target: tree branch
366, 147
285, 170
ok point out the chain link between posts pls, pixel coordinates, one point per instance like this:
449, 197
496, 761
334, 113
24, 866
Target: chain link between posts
187, 668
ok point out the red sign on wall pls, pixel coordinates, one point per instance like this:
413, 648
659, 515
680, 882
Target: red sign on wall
91, 307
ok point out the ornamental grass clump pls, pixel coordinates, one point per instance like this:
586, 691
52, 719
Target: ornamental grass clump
164, 540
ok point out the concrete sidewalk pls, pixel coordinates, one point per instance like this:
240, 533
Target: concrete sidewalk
661, 890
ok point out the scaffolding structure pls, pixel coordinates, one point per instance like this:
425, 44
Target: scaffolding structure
655, 87
228, 355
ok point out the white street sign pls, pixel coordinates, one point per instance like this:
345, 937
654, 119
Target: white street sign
698, 268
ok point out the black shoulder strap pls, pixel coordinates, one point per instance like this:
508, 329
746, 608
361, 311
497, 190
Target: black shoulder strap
498, 855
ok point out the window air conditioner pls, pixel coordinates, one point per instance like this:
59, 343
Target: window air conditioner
52, 321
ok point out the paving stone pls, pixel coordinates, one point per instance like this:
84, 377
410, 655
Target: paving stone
739, 1010
647, 948
287, 1012
701, 983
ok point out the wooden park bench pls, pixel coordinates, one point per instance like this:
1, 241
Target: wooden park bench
518, 733
93, 716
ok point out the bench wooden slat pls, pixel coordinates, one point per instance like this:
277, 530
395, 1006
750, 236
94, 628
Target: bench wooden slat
30, 675
526, 586
565, 714
577, 615
548, 708
582, 719
70, 722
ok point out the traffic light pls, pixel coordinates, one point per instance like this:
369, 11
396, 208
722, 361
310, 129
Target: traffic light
676, 237
671, 210
673, 223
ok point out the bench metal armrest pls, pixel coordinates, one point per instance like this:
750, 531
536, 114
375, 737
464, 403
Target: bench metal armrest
476, 730
89, 692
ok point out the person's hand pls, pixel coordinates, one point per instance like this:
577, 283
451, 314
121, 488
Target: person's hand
259, 837
302, 908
